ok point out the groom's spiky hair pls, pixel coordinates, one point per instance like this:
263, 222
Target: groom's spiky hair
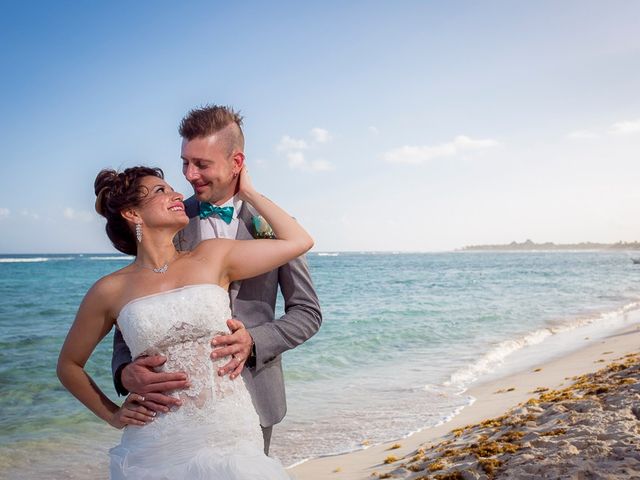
211, 119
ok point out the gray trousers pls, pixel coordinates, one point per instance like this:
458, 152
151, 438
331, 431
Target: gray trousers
266, 436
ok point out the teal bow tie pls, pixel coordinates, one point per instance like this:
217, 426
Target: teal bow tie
225, 213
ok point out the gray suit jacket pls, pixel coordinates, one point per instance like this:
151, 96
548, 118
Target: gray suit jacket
253, 302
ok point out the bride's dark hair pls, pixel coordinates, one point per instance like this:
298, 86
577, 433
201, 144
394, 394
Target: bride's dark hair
117, 191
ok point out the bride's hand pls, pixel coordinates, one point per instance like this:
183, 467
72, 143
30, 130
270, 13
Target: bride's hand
245, 187
132, 413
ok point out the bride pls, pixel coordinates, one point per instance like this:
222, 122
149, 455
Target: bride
170, 303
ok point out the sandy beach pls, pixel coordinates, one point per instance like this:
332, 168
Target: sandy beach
576, 416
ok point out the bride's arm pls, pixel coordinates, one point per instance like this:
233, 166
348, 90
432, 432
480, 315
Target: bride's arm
93, 321
249, 258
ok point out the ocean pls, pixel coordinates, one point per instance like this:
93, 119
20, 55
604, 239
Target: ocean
404, 335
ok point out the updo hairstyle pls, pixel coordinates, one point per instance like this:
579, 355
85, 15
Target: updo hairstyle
116, 192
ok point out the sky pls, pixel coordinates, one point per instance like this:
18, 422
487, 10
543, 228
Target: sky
386, 126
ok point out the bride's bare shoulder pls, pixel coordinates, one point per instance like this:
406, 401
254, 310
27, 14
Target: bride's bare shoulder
109, 289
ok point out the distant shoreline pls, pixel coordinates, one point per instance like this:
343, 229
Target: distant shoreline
529, 245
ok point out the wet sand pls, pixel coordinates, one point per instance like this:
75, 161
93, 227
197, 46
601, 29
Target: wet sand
577, 416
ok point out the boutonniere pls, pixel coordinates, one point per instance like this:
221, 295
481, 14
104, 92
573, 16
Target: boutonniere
261, 229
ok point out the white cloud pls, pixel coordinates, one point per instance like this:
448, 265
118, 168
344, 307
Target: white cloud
582, 135
296, 159
320, 135
30, 214
627, 127
288, 143
321, 166
292, 149
80, 215
4, 213
298, 162
619, 128
420, 154
374, 130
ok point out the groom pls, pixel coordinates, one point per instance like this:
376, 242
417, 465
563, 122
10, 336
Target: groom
212, 157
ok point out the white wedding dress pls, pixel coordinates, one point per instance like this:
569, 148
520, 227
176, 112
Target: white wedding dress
216, 433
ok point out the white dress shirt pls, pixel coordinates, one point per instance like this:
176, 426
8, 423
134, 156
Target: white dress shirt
214, 227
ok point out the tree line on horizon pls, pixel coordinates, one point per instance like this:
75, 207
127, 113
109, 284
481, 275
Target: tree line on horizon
531, 245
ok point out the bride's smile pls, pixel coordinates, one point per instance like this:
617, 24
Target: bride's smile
161, 206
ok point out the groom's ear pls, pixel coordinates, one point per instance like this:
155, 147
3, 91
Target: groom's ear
238, 161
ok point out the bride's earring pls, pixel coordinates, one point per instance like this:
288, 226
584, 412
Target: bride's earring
139, 232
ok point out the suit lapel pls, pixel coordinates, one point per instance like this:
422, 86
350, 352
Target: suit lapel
192, 233
245, 224
244, 233
189, 237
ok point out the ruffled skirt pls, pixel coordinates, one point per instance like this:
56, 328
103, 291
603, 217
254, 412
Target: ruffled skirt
148, 453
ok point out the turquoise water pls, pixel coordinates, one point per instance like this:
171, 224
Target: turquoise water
403, 337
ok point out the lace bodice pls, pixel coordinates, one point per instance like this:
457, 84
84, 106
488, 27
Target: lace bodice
149, 323
216, 432
180, 324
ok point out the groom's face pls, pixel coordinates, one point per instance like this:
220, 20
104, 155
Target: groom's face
209, 167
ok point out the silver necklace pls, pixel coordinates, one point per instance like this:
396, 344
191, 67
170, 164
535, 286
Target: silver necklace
161, 269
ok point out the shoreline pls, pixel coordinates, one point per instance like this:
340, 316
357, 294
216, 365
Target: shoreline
492, 398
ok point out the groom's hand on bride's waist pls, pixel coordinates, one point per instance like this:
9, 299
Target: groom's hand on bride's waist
238, 345
140, 377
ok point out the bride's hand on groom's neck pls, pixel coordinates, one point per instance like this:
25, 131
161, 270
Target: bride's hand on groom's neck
244, 188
